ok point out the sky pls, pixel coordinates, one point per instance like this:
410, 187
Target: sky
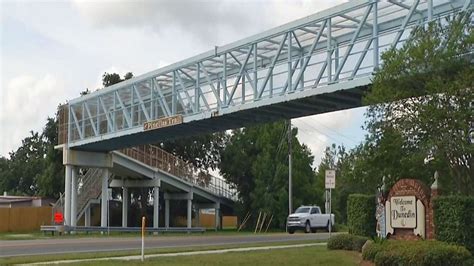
53, 50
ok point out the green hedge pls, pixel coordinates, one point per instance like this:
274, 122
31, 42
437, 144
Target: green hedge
361, 214
399, 252
454, 220
347, 242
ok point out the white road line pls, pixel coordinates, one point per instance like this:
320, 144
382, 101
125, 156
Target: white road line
189, 253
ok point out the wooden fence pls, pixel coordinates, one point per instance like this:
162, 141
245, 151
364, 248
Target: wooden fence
24, 219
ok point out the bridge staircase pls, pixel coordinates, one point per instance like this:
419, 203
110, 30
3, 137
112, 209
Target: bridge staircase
89, 179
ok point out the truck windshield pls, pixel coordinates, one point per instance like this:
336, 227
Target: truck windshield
302, 210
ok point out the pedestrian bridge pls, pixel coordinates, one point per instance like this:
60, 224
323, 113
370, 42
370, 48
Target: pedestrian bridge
317, 64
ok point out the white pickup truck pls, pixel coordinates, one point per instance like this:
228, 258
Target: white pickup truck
309, 218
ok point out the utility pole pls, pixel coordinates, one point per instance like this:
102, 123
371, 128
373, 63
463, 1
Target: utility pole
290, 209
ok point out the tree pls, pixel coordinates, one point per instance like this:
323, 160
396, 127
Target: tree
51, 180
255, 161
128, 75
27, 164
110, 79
423, 92
7, 181
201, 151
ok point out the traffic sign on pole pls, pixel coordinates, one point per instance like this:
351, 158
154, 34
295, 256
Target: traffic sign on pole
330, 182
330, 179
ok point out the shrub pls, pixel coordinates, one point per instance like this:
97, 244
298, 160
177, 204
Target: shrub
347, 242
371, 250
399, 252
454, 220
361, 214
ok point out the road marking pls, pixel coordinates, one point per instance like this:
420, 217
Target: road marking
177, 254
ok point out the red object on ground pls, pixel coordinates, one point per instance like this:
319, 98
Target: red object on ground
58, 218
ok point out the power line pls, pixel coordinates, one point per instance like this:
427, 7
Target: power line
321, 132
335, 131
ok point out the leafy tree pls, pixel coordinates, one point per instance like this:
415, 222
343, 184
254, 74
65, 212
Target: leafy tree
27, 164
423, 93
255, 161
128, 75
7, 181
110, 79
201, 151
51, 180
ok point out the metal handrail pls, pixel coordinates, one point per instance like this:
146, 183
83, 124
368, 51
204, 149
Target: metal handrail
156, 157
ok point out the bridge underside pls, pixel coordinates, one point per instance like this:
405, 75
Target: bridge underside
317, 104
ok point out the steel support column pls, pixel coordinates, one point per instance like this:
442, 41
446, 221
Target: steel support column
125, 202
87, 215
375, 36
217, 215
198, 217
189, 213
167, 213
104, 199
67, 195
156, 206
73, 197
329, 51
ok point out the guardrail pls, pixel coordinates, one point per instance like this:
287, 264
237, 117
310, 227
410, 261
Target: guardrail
66, 229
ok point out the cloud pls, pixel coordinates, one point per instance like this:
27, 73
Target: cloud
26, 103
204, 19
321, 131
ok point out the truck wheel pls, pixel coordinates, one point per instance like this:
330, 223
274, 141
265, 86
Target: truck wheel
291, 231
307, 227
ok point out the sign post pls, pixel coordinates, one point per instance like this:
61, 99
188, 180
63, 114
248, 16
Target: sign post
143, 238
330, 183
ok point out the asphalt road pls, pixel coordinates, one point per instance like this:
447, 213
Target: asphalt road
10, 248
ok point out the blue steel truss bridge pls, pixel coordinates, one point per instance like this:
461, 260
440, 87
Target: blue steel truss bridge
317, 64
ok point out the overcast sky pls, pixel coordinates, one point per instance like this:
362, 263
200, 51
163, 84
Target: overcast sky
53, 50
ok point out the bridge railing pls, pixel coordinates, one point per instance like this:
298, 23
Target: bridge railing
156, 157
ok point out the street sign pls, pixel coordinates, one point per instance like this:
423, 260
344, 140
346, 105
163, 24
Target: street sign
58, 218
330, 179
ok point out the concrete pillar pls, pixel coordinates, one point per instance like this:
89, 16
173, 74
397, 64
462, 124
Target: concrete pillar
104, 199
67, 195
167, 213
156, 206
190, 216
74, 197
125, 206
87, 216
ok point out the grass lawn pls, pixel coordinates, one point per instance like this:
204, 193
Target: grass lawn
316, 255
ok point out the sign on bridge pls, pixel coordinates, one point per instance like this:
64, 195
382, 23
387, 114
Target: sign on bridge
163, 122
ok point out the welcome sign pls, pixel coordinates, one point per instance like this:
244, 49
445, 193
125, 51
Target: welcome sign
403, 212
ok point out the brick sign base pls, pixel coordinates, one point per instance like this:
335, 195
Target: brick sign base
413, 187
